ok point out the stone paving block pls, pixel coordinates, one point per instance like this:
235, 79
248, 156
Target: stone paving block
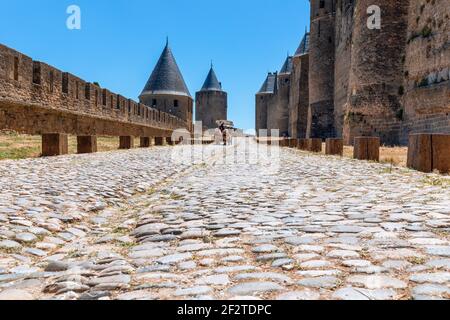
126, 142
334, 146
284, 143
367, 148
293, 143
145, 142
315, 145
169, 141
160, 141
429, 152
86, 144
441, 152
302, 144
54, 144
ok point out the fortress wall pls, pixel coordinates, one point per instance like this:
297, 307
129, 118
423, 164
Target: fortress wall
294, 97
299, 97
343, 42
427, 68
260, 113
321, 70
32, 89
280, 112
376, 76
274, 115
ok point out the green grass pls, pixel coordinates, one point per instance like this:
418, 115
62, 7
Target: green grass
19, 153
437, 181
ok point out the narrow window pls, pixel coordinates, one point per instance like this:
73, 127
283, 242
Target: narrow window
129, 106
16, 68
154, 103
118, 102
77, 91
65, 82
319, 28
52, 81
322, 4
175, 103
104, 97
112, 102
36, 72
87, 91
96, 97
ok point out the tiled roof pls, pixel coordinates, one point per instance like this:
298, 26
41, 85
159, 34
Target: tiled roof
166, 78
269, 85
211, 82
304, 46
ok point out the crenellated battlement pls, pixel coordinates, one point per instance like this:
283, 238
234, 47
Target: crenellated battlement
36, 98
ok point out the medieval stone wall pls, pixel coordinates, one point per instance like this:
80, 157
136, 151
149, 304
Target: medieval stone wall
387, 82
299, 97
37, 98
343, 39
273, 115
321, 69
279, 112
427, 67
261, 103
376, 74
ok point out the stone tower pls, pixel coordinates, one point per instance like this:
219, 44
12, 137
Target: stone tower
377, 74
211, 102
282, 107
343, 43
299, 94
321, 70
264, 99
166, 90
278, 108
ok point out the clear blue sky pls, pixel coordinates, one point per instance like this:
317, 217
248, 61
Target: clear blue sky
120, 41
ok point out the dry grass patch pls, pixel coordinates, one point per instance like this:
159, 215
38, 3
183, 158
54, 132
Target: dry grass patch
21, 146
394, 155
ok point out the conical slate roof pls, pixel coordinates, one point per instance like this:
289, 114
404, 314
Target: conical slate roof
287, 66
304, 46
166, 78
211, 82
269, 85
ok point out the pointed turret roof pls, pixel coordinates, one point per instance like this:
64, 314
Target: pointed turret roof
287, 66
303, 48
269, 85
166, 78
211, 82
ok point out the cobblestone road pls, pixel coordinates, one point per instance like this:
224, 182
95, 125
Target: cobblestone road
137, 225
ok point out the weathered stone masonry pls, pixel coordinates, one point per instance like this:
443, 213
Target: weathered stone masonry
321, 70
299, 92
389, 82
426, 102
36, 98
